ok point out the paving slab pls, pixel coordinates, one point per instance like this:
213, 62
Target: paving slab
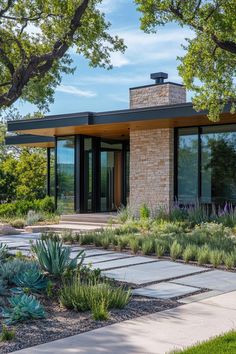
159, 333
215, 280
92, 252
151, 272
165, 290
124, 262
199, 297
23, 252
97, 260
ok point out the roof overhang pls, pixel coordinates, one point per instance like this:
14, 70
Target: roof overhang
117, 124
30, 140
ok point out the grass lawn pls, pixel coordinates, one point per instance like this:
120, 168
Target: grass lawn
224, 344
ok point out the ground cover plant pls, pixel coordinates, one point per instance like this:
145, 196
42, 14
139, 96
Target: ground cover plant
193, 234
225, 343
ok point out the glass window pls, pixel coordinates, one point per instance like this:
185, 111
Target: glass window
52, 172
187, 165
218, 164
88, 175
65, 174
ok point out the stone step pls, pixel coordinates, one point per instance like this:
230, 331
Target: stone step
79, 223
95, 218
62, 227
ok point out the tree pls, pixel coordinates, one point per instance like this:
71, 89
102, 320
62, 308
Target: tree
35, 36
210, 56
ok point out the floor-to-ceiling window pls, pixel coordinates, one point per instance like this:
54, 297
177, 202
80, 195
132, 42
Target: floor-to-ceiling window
88, 184
206, 164
66, 174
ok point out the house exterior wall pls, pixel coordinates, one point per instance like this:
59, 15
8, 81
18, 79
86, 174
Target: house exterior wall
151, 168
157, 95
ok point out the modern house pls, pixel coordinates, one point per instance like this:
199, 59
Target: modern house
157, 151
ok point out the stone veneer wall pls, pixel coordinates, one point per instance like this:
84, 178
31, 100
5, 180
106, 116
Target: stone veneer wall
151, 168
156, 95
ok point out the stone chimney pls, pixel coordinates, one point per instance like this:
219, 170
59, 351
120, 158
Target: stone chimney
160, 93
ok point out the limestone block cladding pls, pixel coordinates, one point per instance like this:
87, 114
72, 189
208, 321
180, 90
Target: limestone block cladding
157, 95
151, 168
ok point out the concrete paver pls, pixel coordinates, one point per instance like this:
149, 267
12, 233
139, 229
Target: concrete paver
124, 262
165, 290
215, 280
151, 272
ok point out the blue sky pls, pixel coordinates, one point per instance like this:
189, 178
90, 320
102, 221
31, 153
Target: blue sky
90, 89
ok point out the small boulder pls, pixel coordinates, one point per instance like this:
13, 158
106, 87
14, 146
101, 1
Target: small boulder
6, 229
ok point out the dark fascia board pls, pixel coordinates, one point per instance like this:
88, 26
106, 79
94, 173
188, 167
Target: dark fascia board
183, 110
54, 121
28, 139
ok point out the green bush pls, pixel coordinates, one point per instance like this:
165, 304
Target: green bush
216, 258
7, 335
203, 255
148, 246
229, 260
82, 296
122, 242
47, 205
175, 250
18, 223
100, 310
144, 212
134, 244
190, 253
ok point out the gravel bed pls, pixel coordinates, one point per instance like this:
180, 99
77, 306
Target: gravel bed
61, 323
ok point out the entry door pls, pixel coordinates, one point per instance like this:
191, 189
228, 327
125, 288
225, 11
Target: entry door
110, 180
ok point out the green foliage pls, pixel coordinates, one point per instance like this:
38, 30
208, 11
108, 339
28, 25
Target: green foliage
40, 56
7, 335
203, 256
124, 214
47, 204
32, 279
3, 287
100, 310
134, 244
54, 258
216, 258
190, 253
22, 307
122, 242
208, 67
13, 267
144, 212
18, 223
175, 250
33, 217
148, 246
51, 235
160, 248
3, 251
229, 260
82, 296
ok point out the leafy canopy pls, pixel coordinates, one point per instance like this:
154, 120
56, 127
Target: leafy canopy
35, 36
210, 56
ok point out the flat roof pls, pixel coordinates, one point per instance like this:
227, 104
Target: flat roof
30, 140
116, 124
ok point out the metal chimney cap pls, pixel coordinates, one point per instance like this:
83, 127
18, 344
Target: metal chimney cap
159, 77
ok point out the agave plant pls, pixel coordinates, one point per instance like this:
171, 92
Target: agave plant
3, 251
54, 258
32, 279
3, 288
22, 307
13, 267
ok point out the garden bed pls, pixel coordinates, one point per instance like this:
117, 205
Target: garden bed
61, 323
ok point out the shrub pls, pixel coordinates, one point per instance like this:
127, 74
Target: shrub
82, 296
123, 214
22, 307
144, 212
148, 246
33, 217
100, 310
229, 260
216, 258
160, 248
203, 255
122, 242
7, 335
190, 253
47, 204
18, 223
87, 238
134, 244
105, 241
54, 258
50, 235
3, 288
175, 250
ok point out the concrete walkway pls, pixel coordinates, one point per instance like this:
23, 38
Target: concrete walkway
158, 333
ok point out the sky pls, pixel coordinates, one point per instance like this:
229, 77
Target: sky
97, 89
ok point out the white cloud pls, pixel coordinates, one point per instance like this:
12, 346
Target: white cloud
75, 91
121, 99
109, 6
118, 60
